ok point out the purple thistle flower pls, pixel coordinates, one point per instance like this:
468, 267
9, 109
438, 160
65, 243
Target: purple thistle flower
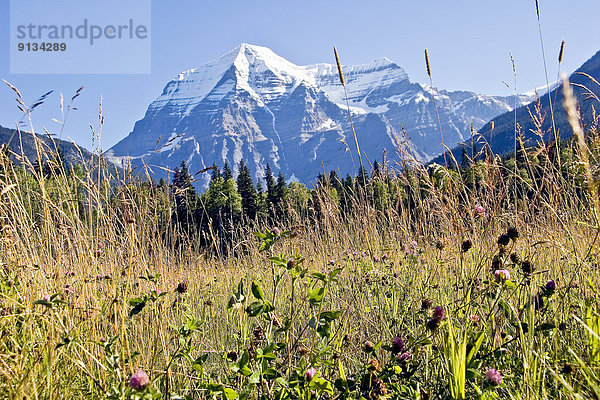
433, 324
397, 345
479, 211
310, 373
139, 380
493, 377
404, 357
439, 313
502, 275
551, 285
182, 287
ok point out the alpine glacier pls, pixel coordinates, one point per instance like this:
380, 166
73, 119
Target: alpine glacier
254, 105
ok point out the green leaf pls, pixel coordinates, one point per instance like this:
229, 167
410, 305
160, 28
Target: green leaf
320, 276
257, 291
270, 374
254, 309
330, 315
334, 273
254, 378
230, 394
321, 385
316, 295
475, 349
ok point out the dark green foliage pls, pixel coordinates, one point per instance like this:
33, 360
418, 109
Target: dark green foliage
247, 192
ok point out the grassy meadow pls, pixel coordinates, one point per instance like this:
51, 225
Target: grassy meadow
472, 281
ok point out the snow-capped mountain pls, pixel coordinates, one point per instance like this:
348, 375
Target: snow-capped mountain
254, 105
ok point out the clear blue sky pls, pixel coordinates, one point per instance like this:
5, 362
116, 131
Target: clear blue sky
468, 43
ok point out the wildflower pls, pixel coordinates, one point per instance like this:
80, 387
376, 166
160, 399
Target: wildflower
439, 313
475, 319
502, 275
182, 287
551, 285
139, 380
567, 369
503, 240
512, 233
514, 258
493, 377
404, 357
497, 262
291, 264
369, 346
414, 244
466, 245
526, 267
276, 231
363, 254
47, 297
259, 333
99, 252
232, 355
373, 365
397, 345
433, 324
379, 388
310, 373
479, 211
426, 304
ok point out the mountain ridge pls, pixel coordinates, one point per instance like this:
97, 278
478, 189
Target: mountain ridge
251, 103
501, 138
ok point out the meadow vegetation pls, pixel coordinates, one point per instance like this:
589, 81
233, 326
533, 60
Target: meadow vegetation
474, 280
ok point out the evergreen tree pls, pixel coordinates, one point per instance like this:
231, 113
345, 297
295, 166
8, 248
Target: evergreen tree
185, 198
246, 189
271, 187
216, 173
335, 182
261, 199
376, 170
227, 174
280, 189
363, 177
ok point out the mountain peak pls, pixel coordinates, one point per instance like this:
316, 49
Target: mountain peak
253, 104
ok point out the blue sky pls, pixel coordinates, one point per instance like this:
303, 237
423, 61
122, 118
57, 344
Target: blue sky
468, 42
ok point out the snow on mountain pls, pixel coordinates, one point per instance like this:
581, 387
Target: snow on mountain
254, 105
